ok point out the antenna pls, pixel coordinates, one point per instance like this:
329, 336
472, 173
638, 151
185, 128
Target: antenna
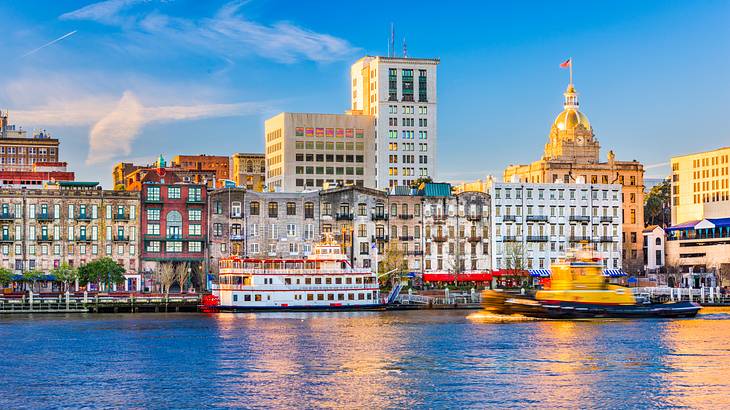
405, 48
391, 44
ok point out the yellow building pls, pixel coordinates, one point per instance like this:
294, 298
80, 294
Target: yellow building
572, 154
700, 186
249, 170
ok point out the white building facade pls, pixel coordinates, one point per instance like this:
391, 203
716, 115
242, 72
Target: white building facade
534, 224
401, 94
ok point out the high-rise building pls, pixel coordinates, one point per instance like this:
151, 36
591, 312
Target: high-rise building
701, 186
572, 155
249, 170
306, 150
401, 94
19, 152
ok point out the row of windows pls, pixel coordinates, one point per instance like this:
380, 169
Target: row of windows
408, 109
329, 158
174, 247
310, 296
173, 192
84, 211
29, 150
555, 193
407, 146
46, 233
93, 249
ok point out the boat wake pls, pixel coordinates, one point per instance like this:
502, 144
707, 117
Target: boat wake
489, 317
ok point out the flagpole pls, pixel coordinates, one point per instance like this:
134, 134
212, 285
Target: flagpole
571, 70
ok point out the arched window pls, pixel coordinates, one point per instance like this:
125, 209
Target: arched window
174, 225
249, 166
658, 241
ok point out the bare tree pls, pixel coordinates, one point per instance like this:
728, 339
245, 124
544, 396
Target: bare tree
393, 260
167, 276
182, 273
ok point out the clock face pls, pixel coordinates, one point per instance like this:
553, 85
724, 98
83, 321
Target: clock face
579, 140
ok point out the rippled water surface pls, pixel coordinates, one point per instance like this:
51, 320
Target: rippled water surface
431, 359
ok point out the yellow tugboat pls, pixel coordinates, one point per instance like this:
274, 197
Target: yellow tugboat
578, 289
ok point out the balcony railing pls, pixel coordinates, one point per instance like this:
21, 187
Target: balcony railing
607, 239
509, 238
440, 218
379, 238
83, 238
344, 216
579, 218
405, 238
237, 237
120, 238
236, 215
579, 238
475, 238
536, 218
44, 238
405, 216
538, 238
608, 219
509, 218
121, 217
6, 238
194, 200
83, 217
44, 217
439, 238
6, 216
473, 218
377, 216
414, 253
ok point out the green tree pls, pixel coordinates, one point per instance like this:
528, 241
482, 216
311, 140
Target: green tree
32, 277
103, 271
393, 262
6, 277
657, 207
421, 180
65, 274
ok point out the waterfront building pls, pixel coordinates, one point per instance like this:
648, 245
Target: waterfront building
572, 155
533, 224
698, 242
72, 222
19, 152
305, 150
39, 174
405, 219
216, 163
174, 223
400, 93
356, 216
654, 240
248, 170
261, 224
137, 175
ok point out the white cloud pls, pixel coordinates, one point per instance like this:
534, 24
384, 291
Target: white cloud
227, 34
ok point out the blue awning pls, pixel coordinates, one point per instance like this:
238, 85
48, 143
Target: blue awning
540, 273
613, 273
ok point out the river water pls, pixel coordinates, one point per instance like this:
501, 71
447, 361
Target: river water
431, 359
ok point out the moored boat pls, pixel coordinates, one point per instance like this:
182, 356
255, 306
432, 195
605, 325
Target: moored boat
325, 280
578, 289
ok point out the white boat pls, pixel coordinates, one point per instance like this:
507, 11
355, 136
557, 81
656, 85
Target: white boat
325, 280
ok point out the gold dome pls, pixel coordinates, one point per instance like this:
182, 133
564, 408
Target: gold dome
570, 118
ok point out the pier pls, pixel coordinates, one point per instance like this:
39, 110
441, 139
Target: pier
97, 303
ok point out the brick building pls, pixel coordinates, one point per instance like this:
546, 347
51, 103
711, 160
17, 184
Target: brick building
216, 163
130, 177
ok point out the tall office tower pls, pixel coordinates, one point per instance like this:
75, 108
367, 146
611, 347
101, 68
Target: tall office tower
400, 93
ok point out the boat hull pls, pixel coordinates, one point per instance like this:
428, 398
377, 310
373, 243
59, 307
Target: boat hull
324, 308
496, 302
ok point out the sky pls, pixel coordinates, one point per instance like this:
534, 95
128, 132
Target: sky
128, 80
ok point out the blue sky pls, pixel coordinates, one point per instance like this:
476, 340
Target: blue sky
140, 78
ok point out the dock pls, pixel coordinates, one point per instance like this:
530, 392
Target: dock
98, 303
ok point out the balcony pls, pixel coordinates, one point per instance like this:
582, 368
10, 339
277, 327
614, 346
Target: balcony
414, 253
607, 219
121, 217
509, 238
44, 238
509, 218
440, 218
44, 217
405, 238
236, 215
7, 216
537, 218
608, 239
120, 238
538, 238
580, 218
153, 200
473, 218
439, 238
6, 238
82, 238
83, 217
195, 200
377, 216
237, 237
174, 237
379, 238
474, 238
577, 238
344, 216
405, 216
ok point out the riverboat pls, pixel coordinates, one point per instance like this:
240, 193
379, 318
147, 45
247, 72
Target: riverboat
325, 280
577, 289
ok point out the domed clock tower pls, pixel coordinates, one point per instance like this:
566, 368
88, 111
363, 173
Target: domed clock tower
571, 135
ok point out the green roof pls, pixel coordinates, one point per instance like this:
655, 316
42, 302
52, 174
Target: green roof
437, 189
77, 183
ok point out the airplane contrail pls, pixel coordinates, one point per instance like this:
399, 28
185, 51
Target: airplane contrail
69, 34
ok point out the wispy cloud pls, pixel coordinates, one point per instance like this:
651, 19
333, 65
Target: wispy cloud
659, 165
227, 34
35, 50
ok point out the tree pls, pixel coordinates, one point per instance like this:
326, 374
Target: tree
421, 180
32, 277
657, 207
103, 271
65, 274
393, 261
167, 276
514, 258
6, 277
182, 273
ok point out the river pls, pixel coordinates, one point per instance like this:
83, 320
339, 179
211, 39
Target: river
416, 359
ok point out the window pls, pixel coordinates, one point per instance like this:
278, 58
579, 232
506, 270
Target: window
195, 214
173, 246
254, 208
195, 246
194, 194
153, 229
291, 208
174, 225
153, 193
153, 214
153, 246
194, 229
273, 210
173, 192
291, 230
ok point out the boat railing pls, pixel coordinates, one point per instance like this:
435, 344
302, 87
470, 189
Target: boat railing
300, 287
314, 272
713, 295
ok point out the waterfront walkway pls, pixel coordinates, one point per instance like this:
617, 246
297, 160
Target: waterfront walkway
98, 303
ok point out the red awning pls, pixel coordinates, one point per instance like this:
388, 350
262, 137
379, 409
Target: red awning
510, 272
460, 277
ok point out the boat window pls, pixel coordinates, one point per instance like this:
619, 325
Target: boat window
330, 296
338, 281
320, 296
360, 296
317, 281
328, 281
350, 296
340, 296
258, 298
307, 281
246, 298
235, 298
358, 280
310, 296
348, 281
287, 281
